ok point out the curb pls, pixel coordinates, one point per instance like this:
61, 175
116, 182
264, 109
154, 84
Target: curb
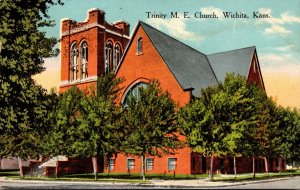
228, 184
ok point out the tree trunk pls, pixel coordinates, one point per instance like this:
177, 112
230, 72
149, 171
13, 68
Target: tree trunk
234, 167
108, 165
56, 167
0, 163
211, 168
280, 165
21, 167
266, 165
95, 166
253, 166
143, 167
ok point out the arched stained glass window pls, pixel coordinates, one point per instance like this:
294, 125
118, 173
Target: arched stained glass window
84, 60
117, 55
74, 63
134, 91
108, 57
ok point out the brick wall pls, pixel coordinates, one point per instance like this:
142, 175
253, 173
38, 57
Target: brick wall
95, 31
142, 68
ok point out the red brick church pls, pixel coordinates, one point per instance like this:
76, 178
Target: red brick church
95, 47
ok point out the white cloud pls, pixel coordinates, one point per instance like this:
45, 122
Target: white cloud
176, 28
286, 18
265, 11
276, 63
283, 19
284, 48
277, 22
277, 30
288, 69
275, 60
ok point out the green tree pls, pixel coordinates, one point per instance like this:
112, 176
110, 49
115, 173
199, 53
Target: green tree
249, 118
150, 123
268, 135
99, 133
253, 114
204, 134
26, 140
238, 113
87, 123
62, 136
220, 121
288, 134
23, 48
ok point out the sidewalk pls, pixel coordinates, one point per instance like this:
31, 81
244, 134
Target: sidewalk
202, 183
194, 183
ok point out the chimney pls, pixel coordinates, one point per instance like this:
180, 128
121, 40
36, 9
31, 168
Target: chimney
96, 15
124, 26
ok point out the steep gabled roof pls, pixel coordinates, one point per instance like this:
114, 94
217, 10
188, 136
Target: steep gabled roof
237, 61
190, 67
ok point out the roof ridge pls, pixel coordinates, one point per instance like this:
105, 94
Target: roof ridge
232, 50
141, 22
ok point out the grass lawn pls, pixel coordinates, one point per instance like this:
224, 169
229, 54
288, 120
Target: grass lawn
136, 178
258, 176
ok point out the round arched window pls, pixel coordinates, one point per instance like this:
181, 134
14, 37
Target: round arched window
134, 91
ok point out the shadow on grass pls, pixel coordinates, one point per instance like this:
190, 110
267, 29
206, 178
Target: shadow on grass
136, 176
9, 173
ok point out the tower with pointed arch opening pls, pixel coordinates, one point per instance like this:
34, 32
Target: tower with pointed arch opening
90, 49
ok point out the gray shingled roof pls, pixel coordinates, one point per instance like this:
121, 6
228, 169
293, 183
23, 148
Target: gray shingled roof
237, 61
190, 67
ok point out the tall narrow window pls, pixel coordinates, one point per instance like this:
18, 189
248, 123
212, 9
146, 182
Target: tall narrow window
172, 163
111, 164
149, 164
108, 57
130, 163
139, 49
84, 60
117, 55
74, 63
254, 67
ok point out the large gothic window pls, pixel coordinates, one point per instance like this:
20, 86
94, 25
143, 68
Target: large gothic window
74, 63
84, 60
108, 57
134, 91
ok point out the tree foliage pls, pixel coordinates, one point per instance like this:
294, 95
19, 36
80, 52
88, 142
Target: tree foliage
223, 119
24, 105
65, 123
150, 123
289, 134
87, 123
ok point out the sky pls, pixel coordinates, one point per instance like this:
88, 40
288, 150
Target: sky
276, 36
